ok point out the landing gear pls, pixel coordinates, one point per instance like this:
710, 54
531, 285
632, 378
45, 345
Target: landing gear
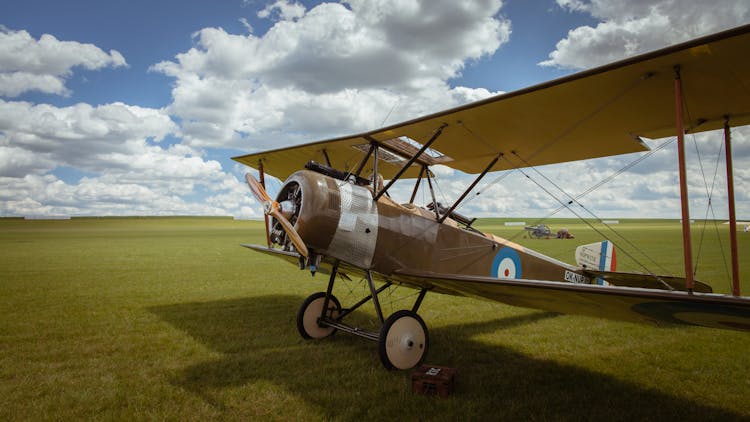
403, 341
311, 312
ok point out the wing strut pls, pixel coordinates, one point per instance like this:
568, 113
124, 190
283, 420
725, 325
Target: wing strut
374, 294
362, 163
416, 185
326, 157
432, 193
686, 243
411, 161
732, 215
466, 192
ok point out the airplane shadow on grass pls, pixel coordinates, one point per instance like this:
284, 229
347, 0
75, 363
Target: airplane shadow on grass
258, 340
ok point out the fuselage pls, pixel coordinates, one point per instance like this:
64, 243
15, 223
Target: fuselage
340, 219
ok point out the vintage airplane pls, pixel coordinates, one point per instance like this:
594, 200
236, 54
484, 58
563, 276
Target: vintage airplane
334, 215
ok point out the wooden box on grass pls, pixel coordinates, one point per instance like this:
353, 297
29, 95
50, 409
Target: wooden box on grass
433, 380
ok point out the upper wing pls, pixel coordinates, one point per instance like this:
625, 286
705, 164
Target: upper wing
619, 303
595, 113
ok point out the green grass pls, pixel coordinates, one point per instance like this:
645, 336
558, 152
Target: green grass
171, 319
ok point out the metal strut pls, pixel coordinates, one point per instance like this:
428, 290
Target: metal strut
418, 303
338, 323
329, 291
362, 163
411, 161
732, 213
686, 243
374, 294
432, 193
416, 185
466, 192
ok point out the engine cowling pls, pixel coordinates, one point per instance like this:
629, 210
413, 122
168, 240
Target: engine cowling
333, 217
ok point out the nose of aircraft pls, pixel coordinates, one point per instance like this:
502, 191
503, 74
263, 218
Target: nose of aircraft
274, 209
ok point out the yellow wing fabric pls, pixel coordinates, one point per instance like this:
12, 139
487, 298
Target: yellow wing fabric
596, 113
618, 303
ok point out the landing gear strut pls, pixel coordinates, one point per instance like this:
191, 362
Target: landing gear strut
403, 339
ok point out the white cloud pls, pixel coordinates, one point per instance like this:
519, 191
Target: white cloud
246, 24
27, 64
18, 162
118, 145
47, 195
330, 70
81, 136
651, 187
628, 28
286, 10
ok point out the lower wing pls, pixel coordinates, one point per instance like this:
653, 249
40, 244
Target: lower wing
619, 303
646, 281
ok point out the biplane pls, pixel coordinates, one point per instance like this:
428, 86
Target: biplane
334, 215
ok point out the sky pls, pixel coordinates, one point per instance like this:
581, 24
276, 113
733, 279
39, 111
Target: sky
135, 108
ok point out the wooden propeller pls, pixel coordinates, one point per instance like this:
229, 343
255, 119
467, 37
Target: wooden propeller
271, 207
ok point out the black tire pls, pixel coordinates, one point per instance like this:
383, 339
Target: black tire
310, 311
403, 341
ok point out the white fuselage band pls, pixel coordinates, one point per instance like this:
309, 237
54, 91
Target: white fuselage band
357, 232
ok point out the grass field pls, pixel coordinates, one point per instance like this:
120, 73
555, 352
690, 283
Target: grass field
168, 318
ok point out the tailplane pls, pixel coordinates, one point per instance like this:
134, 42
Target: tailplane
599, 261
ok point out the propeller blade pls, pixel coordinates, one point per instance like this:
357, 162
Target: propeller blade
257, 189
289, 229
271, 207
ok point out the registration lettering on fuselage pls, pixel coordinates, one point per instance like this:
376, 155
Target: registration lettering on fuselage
576, 278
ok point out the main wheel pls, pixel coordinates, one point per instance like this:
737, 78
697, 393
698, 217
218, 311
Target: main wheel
403, 340
311, 310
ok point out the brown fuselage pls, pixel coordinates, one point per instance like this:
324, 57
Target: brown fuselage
341, 220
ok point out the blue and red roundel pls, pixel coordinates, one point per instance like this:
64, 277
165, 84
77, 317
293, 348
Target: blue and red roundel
507, 264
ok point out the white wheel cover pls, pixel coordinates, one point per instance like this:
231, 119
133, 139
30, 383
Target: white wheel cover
310, 319
405, 343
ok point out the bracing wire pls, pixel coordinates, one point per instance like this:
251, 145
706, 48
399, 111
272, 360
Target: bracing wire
566, 205
437, 187
598, 109
710, 208
398, 100
593, 187
709, 193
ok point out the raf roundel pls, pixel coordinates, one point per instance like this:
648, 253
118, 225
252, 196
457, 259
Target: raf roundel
507, 264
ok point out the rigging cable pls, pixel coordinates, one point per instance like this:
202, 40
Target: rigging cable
709, 207
566, 131
601, 182
563, 203
709, 194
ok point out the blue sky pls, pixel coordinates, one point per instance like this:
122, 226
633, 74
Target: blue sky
133, 108
149, 32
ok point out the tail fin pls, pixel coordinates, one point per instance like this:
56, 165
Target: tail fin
599, 260
597, 256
